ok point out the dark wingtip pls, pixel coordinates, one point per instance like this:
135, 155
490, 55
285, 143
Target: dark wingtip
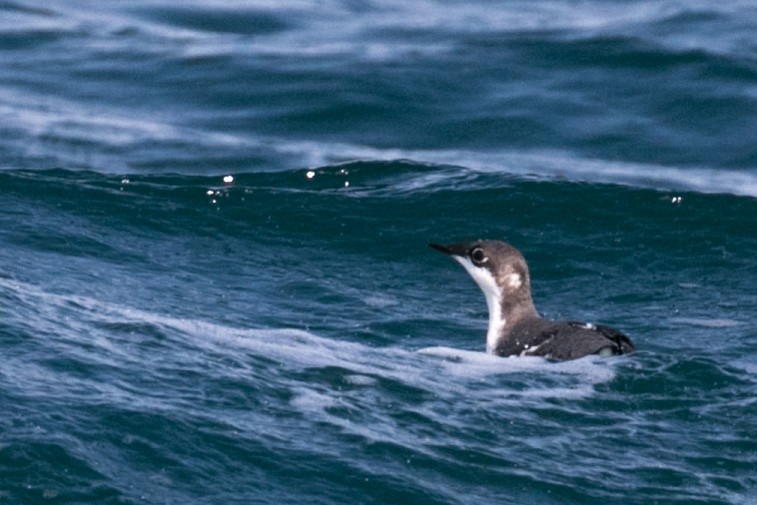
441, 248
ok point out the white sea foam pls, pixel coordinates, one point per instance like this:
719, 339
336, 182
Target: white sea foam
298, 349
544, 163
706, 322
71, 120
68, 120
473, 364
356, 389
335, 27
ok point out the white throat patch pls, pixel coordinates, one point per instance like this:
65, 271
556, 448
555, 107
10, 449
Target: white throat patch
493, 294
514, 280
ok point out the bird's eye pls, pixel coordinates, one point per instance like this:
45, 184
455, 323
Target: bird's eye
478, 256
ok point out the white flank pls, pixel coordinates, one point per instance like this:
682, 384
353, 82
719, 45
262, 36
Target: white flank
493, 294
529, 350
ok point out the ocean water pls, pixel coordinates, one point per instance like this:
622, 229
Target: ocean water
214, 280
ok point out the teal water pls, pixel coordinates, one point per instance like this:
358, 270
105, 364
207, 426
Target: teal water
215, 285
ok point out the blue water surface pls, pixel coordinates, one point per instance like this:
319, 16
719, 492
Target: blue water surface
214, 280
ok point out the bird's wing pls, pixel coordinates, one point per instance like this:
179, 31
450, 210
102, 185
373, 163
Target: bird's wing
572, 339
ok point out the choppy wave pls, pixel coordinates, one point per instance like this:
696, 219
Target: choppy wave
550, 88
215, 286
440, 408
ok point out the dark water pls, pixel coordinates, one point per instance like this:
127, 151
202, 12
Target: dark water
285, 335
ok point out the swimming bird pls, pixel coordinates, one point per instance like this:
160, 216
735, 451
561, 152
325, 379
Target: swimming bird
515, 328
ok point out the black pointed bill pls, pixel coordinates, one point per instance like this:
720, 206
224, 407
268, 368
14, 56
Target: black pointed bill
460, 249
441, 248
